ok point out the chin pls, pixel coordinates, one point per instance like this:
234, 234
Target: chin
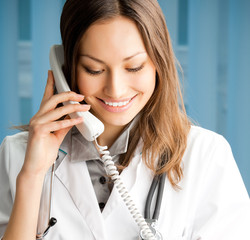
121, 122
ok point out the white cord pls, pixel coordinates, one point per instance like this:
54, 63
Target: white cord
111, 170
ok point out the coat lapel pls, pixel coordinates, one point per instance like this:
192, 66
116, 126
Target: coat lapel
137, 178
75, 177
129, 177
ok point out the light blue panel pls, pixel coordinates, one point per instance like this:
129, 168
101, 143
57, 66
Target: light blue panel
170, 10
8, 67
25, 109
24, 19
238, 127
183, 22
202, 71
222, 81
45, 31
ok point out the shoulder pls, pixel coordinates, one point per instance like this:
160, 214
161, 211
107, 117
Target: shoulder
20, 137
13, 141
212, 177
199, 134
206, 148
13, 148
206, 140
208, 163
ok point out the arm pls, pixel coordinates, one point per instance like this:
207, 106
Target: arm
224, 206
45, 136
23, 220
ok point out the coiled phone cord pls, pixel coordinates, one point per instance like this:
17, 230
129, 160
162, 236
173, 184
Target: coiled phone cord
112, 171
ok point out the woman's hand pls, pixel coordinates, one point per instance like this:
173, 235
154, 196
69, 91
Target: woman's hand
46, 132
45, 136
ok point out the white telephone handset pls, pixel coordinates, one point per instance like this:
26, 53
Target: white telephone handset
91, 127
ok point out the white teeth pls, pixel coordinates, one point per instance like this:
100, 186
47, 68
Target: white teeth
117, 104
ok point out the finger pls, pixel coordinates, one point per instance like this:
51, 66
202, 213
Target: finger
60, 98
62, 132
62, 124
49, 88
62, 111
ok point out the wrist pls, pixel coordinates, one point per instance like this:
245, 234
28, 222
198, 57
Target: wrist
30, 179
23, 220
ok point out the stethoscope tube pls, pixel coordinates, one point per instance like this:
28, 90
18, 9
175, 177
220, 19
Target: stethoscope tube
159, 196
152, 221
160, 181
150, 197
51, 220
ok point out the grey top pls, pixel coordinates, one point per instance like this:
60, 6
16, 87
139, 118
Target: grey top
101, 182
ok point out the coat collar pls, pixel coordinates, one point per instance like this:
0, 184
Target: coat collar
83, 150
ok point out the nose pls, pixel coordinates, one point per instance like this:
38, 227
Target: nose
116, 85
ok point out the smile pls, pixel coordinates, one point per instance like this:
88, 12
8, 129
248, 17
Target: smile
117, 104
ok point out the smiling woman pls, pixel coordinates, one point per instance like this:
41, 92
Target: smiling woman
118, 59
129, 48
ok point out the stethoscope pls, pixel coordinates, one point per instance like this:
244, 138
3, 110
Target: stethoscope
152, 221
51, 220
159, 180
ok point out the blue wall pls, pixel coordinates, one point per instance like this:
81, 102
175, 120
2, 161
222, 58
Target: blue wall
238, 124
8, 66
218, 79
45, 31
211, 40
215, 56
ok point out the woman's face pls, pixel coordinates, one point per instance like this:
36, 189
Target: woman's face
114, 71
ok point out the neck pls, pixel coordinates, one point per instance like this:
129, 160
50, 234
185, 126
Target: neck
110, 134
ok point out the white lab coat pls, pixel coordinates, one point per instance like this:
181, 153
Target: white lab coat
212, 204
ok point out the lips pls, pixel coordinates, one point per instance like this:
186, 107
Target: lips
117, 105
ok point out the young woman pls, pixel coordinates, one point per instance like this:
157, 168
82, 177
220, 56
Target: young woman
120, 65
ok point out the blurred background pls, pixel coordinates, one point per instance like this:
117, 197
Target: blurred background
211, 40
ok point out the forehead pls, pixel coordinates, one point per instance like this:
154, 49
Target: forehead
118, 35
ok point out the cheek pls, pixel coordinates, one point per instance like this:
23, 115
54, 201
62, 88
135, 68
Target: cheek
85, 85
146, 82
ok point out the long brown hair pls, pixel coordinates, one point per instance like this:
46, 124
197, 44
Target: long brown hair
163, 123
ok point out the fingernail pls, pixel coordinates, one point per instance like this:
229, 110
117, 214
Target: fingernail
80, 95
87, 106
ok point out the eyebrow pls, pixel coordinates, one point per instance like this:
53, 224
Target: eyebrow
100, 61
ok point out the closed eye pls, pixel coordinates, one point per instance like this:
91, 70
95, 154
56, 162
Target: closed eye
93, 72
137, 69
